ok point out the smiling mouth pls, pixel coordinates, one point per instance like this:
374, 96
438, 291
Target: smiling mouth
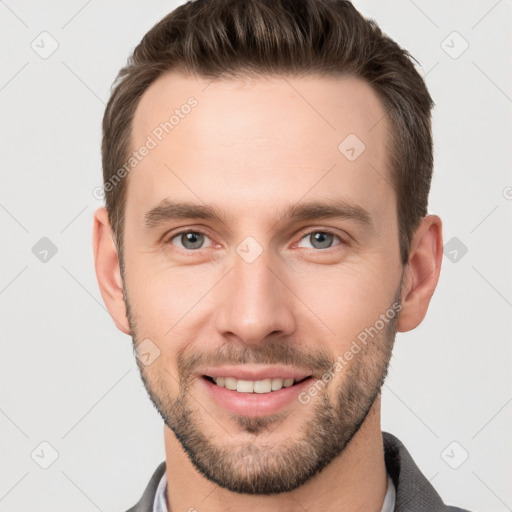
254, 386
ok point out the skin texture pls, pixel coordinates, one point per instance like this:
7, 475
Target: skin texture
251, 148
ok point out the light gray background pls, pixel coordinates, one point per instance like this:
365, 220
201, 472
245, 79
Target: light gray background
69, 378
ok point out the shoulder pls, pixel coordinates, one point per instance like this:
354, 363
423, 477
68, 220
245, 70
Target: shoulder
145, 504
413, 490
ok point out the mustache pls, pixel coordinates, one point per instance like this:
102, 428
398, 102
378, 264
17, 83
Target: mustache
315, 362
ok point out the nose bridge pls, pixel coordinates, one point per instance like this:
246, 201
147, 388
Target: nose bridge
255, 304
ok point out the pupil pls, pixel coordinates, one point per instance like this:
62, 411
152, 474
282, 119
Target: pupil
321, 240
192, 240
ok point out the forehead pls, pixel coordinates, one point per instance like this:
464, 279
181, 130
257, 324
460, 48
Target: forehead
333, 103
258, 139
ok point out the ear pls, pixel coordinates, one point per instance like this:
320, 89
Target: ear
106, 263
421, 272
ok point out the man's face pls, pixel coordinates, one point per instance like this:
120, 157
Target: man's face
274, 286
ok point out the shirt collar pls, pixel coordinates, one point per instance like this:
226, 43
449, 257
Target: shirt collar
160, 503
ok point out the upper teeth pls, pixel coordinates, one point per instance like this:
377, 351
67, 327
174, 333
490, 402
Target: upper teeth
253, 386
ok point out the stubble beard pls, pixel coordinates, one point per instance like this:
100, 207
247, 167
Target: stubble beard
258, 467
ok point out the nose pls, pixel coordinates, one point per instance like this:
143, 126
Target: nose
255, 304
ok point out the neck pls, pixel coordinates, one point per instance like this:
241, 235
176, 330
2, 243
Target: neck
355, 481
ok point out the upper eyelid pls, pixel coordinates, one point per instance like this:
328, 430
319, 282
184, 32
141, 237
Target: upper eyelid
167, 237
325, 231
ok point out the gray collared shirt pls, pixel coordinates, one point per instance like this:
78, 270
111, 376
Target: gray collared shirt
160, 503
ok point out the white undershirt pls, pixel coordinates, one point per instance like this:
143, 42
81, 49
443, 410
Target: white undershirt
160, 503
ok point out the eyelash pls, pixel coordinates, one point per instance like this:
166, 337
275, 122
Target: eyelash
309, 233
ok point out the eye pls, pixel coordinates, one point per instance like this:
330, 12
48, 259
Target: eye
189, 240
319, 240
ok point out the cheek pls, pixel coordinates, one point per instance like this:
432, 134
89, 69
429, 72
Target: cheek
164, 298
166, 306
343, 301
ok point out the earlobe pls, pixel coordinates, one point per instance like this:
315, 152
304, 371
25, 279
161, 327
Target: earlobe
421, 273
106, 263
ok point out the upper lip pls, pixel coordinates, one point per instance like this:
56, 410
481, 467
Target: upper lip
256, 372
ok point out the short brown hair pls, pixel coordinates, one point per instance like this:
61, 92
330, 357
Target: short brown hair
233, 38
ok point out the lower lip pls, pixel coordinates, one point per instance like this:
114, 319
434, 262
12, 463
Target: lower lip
254, 404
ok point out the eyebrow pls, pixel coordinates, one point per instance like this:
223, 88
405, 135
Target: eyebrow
168, 210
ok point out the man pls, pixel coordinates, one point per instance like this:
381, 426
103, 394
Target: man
267, 166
